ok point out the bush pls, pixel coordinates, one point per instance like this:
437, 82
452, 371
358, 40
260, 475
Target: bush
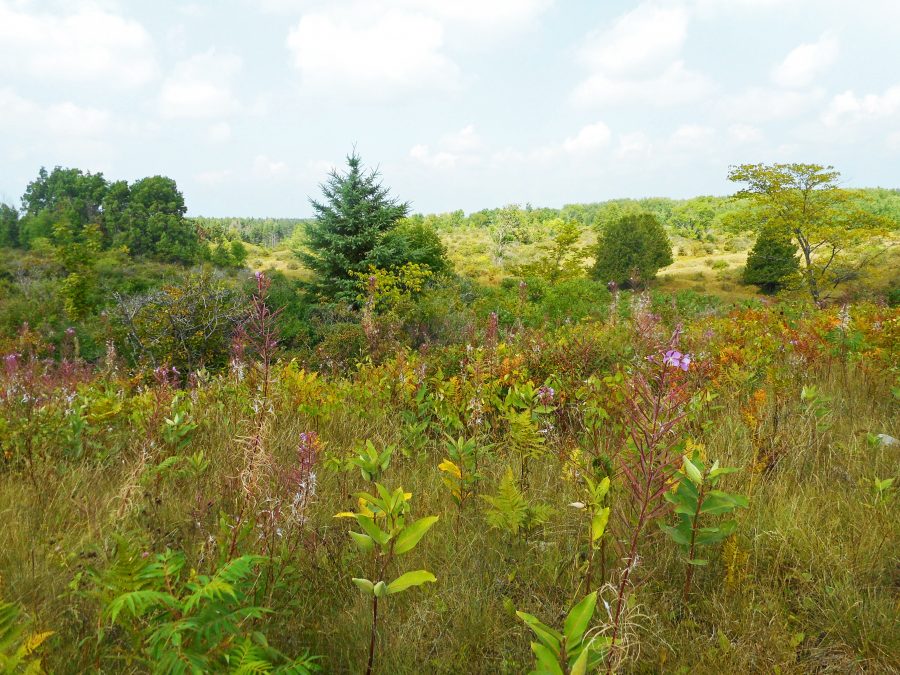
772, 262
631, 250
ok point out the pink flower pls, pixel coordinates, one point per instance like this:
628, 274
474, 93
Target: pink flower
676, 359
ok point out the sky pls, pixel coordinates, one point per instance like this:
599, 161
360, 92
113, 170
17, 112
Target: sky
460, 104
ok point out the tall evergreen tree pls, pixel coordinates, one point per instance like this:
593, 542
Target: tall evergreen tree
349, 223
772, 262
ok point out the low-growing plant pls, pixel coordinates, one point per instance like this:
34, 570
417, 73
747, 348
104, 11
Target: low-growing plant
19, 646
175, 620
459, 471
696, 496
597, 516
371, 462
385, 535
572, 651
509, 510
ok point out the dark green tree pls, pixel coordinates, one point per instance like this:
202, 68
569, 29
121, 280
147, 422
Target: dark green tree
411, 241
81, 194
152, 223
349, 223
773, 262
631, 250
9, 226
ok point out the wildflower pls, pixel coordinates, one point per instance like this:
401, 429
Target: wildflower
676, 359
545, 395
844, 317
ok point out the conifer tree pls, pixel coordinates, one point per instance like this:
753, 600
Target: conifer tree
631, 250
349, 223
772, 262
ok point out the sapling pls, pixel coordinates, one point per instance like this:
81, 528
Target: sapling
371, 462
696, 496
570, 652
385, 534
459, 472
597, 518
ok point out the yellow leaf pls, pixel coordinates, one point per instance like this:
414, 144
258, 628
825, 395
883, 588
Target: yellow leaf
449, 467
345, 514
36, 641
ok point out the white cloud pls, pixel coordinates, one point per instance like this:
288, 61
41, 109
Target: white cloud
85, 45
63, 120
745, 133
638, 41
459, 148
675, 85
266, 167
637, 59
494, 15
464, 140
200, 87
634, 145
592, 137
692, 137
850, 108
440, 159
805, 62
219, 132
370, 52
759, 104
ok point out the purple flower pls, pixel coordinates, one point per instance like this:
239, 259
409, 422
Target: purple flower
676, 359
545, 395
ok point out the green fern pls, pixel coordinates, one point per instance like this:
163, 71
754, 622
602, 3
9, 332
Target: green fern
181, 622
17, 646
509, 510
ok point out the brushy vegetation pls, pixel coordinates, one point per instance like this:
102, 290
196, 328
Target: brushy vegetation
158, 522
454, 450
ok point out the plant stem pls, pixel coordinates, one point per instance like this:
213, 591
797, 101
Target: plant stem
689, 575
372, 636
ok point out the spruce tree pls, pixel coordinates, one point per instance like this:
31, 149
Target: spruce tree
349, 223
772, 262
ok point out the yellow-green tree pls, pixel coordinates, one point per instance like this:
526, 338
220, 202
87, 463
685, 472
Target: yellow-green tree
806, 202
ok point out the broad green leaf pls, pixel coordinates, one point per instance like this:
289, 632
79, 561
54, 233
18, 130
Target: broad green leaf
717, 503
578, 619
373, 530
410, 536
364, 542
677, 535
697, 561
602, 489
380, 590
722, 471
404, 581
692, 472
365, 585
598, 523
546, 659
545, 634
580, 665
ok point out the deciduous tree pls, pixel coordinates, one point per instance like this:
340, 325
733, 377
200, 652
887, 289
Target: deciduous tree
806, 203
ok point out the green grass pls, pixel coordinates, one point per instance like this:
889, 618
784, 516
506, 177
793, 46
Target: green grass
814, 588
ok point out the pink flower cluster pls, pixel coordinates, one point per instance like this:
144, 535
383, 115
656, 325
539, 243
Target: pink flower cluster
676, 359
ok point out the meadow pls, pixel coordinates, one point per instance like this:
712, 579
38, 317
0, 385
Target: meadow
126, 498
479, 455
